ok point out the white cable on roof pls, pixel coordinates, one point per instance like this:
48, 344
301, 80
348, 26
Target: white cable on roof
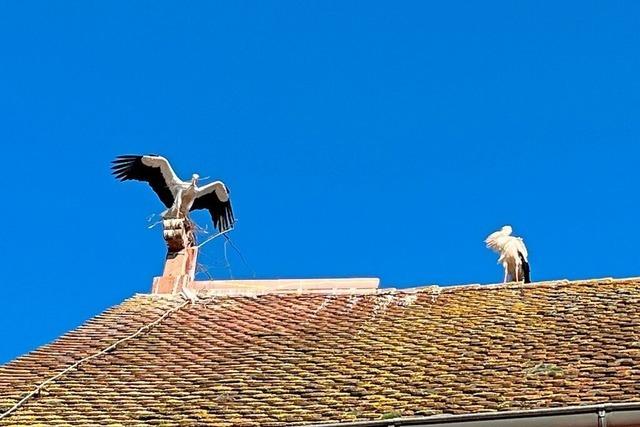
86, 359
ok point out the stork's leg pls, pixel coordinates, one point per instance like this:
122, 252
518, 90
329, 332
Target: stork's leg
506, 274
177, 204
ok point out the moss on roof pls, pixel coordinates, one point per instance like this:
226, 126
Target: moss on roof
285, 359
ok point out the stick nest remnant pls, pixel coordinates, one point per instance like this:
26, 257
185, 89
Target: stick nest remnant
178, 233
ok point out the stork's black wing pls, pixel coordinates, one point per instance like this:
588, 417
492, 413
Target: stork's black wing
526, 269
152, 169
215, 198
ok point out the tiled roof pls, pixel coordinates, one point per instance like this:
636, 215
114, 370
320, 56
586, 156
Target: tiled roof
286, 359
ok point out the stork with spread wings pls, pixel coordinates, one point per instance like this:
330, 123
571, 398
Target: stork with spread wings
180, 197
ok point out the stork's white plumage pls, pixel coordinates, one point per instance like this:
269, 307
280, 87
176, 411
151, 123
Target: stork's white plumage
513, 254
180, 197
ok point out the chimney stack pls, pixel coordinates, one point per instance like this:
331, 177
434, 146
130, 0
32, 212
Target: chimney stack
182, 255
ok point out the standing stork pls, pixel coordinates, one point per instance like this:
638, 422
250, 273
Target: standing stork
180, 197
513, 254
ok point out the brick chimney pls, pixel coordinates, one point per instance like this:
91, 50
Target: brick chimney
182, 256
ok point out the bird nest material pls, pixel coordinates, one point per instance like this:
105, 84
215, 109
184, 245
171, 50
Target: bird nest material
178, 233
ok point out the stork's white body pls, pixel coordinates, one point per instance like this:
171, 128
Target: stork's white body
185, 194
513, 254
510, 260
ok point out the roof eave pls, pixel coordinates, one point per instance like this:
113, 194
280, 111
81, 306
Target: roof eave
609, 415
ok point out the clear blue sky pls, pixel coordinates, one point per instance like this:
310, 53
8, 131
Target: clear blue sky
358, 139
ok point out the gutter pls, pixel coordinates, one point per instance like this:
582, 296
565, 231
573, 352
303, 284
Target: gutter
601, 415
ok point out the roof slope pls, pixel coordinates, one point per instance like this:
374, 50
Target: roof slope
284, 359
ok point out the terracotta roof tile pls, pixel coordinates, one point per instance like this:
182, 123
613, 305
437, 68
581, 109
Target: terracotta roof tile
285, 359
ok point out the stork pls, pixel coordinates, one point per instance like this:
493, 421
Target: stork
513, 254
180, 197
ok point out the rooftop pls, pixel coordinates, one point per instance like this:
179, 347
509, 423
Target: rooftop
289, 358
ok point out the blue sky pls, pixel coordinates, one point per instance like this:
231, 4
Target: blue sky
358, 139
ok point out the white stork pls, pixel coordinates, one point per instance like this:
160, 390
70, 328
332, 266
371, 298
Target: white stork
180, 197
513, 254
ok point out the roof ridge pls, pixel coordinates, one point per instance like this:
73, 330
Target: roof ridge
433, 288
512, 285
